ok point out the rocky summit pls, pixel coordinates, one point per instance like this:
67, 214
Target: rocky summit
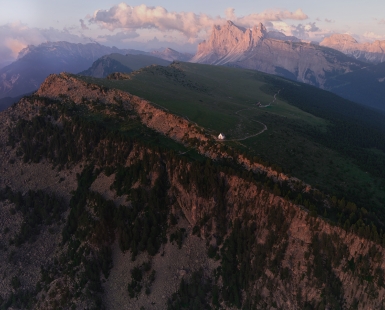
369, 52
257, 49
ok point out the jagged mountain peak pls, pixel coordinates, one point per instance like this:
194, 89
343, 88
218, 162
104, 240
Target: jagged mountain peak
340, 39
370, 52
273, 53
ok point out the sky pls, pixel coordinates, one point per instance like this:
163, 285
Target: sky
150, 24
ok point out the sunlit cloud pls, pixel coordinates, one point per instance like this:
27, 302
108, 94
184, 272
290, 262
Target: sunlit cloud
124, 16
373, 36
307, 32
14, 37
118, 37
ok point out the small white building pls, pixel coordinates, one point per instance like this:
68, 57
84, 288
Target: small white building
221, 136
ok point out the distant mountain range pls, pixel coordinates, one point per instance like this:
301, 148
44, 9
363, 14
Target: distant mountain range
254, 48
368, 52
171, 55
339, 63
121, 63
35, 63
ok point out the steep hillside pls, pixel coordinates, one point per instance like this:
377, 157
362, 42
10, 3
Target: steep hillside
254, 49
121, 63
365, 86
120, 203
35, 63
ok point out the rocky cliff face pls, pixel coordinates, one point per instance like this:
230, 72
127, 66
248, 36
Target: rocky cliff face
368, 52
131, 220
256, 49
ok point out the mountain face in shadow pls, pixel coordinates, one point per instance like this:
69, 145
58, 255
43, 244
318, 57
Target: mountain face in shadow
35, 63
121, 63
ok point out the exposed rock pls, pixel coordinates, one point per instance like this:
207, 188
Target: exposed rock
369, 52
256, 49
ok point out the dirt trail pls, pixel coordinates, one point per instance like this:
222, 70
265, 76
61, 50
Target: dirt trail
275, 99
264, 126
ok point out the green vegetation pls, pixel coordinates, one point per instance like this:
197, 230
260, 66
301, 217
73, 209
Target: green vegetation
326, 141
207, 95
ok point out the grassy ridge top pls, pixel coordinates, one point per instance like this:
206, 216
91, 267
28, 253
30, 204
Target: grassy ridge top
210, 96
136, 62
325, 140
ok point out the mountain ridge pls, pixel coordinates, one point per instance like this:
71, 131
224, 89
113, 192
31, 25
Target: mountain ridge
37, 62
122, 218
111, 63
369, 52
253, 49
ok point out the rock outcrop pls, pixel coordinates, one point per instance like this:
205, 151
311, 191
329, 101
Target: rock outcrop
369, 52
258, 50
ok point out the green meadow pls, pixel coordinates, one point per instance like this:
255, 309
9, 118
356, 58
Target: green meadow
307, 129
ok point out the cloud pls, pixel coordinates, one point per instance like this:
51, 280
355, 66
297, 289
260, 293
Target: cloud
155, 43
269, 15
309, 31
83, 25
303, 31
329, 20
117, 39
381, 21
16, 36
373, 36
124, 16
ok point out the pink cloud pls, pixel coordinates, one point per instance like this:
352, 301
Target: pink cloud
16, 36
124, 16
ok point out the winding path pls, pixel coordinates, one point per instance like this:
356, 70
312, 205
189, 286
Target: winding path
264, 126
237, 113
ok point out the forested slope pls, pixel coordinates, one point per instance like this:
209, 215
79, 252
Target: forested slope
88, 174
